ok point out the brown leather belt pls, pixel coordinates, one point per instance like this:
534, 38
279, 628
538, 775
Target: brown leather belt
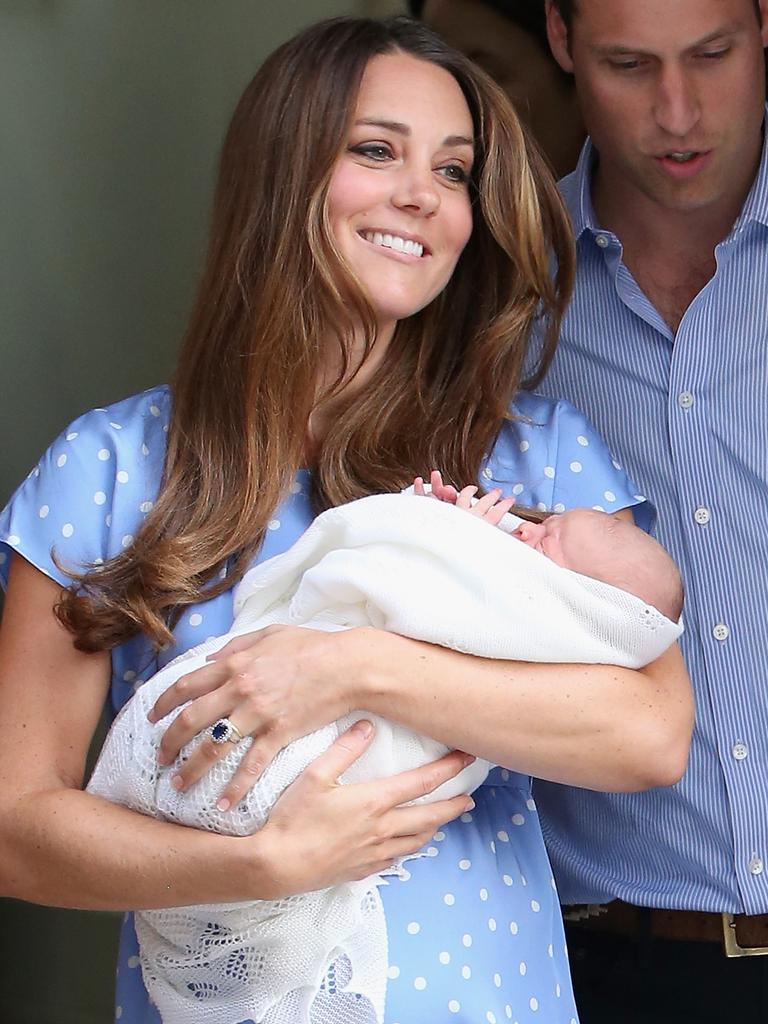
741, 934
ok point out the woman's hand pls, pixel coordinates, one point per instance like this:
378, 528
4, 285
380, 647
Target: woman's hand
321, 833
276, 685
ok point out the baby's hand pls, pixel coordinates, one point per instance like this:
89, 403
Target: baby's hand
491, 507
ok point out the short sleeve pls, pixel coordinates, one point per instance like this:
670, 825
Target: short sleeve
549, 456
86, 498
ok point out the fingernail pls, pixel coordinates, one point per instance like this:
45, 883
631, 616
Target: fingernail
468, 759
162, 758
470, 804
223, 804
363, 728
177, 781
152, 717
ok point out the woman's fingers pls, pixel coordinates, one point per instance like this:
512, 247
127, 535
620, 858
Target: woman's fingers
425, 819
187, 687
419, 782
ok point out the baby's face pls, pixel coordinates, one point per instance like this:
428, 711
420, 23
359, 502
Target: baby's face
578, 539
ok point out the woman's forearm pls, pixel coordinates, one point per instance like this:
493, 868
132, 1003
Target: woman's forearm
596, 726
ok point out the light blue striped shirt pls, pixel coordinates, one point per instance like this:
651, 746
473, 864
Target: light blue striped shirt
687, 416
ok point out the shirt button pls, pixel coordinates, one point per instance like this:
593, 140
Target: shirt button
721, 631
602, 241
739, 750
685, 399
702, 515
756, 865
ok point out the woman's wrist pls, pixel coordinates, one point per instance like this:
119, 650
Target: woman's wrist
368, 673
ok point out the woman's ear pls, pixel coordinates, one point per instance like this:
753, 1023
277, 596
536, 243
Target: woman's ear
559, 41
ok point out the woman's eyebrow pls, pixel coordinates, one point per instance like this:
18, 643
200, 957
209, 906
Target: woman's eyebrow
403, 129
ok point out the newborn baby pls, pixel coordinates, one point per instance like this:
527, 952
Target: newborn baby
422, 568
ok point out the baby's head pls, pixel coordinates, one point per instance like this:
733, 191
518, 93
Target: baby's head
611, 550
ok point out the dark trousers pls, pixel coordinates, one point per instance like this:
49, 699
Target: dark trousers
646, 980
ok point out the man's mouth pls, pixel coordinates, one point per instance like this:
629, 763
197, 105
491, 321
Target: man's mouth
397, 243
682, 156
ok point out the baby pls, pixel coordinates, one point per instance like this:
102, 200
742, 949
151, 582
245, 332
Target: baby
579, 587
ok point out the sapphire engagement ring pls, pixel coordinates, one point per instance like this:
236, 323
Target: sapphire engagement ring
225, 731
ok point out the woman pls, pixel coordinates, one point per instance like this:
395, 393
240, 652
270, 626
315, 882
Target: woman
381, 245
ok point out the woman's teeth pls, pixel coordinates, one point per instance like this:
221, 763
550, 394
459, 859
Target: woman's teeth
394, 242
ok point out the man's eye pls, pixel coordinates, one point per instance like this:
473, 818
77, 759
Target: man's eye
629, 64
455, 172
715, 54
373, 151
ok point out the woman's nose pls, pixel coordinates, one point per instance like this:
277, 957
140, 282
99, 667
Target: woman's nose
417, 191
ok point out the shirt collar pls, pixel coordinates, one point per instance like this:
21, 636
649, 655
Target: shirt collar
577, 191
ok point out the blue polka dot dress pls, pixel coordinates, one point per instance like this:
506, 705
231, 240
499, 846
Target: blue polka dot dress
474, 926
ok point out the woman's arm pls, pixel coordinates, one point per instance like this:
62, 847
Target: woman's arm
64, 847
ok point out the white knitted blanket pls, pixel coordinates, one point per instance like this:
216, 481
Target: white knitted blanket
402, 563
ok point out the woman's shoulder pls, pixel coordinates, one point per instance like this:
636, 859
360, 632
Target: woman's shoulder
90, 490
550, 456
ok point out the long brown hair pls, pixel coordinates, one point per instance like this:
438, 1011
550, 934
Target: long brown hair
275, 286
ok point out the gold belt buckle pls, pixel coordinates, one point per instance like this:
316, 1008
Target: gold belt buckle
732, 948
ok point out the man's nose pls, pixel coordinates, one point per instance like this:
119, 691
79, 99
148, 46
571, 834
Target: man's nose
676, 103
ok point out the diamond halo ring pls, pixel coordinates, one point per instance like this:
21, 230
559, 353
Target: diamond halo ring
225, 731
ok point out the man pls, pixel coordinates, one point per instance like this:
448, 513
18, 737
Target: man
508, 39
665, 346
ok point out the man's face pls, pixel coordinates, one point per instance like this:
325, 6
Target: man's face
672, 92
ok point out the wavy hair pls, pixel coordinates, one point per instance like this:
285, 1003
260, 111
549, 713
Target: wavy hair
275, 287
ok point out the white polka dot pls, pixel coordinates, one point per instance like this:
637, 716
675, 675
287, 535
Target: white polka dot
518, 489
154, 410
492, 846
518, 819
609, 496
513, 927
549, 471
439, 837
533, 1002
108, 518
195, 619
576, 467
508, 1011
295, 487
497, 980
432, 851
598, 508
559, 507
413, 928
72, 435
466, 972
393, 971
530, 803
490, 1017
541, 506
43, 511
524, 446
129, 676
274, 524
502, 836
557, 990
118, 1012
640, 497
133, 961
405, 874
127, 540
488, 474
466, 817
420, 983
535, 906
444, 958
466, 940
582, 441
103, 454
523, 968
99, 497
550, 951
465, 864
454, 1006
67, 530
523, 880
145, 506
117, 426
449, 899
507, 879
98, 561
122, 477
165, 428
483, 895
144, 450
492, 924
61, 461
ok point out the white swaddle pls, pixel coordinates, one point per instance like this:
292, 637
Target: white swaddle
413, 566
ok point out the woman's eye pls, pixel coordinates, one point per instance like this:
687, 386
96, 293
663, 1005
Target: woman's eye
373, 151
455, 172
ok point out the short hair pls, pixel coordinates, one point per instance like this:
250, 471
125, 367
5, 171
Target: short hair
527, 14
567, 9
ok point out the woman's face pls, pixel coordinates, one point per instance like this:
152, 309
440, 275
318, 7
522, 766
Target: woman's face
398, 200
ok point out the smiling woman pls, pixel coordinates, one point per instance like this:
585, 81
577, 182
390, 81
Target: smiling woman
382, 243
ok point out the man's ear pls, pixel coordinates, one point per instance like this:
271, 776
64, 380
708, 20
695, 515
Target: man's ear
557, 33
764, 19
